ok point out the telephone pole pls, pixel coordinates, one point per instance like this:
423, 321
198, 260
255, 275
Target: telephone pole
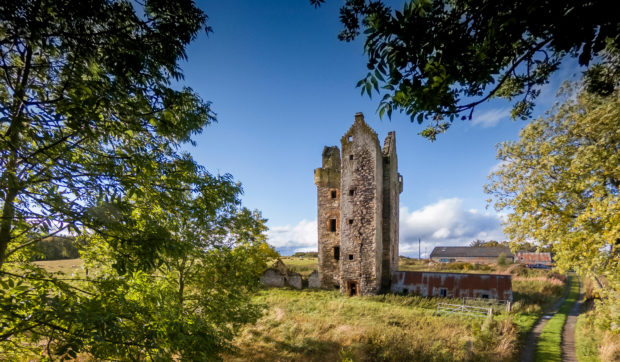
419, 250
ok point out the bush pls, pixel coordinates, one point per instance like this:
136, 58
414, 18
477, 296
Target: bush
501, 260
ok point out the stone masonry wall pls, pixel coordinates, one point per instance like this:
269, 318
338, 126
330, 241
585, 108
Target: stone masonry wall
358, 203
327, 180
392, 187
361, 243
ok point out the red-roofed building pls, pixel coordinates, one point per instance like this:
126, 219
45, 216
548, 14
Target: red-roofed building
534, 259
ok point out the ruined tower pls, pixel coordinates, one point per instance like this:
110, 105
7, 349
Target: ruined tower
327, 180
358, 212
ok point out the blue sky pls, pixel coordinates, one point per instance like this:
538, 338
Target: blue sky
283, 87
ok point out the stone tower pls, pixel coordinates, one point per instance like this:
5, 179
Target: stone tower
327, 180
358, 212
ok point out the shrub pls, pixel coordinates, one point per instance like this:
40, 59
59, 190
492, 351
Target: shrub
501, 260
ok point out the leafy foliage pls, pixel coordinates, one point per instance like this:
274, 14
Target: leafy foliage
501, 260
90, 130
88, 119
437, 60
560, 181
487, 244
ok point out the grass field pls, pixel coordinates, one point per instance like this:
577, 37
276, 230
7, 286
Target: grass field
325, 326
66, 266
319, 325
590, 338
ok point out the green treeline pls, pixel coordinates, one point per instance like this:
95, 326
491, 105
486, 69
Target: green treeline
55, 248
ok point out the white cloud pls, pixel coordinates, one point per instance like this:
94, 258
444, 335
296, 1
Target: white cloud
498, 166
445, 223
490, 118
299, 237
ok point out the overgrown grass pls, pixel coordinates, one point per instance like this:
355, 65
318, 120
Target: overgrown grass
549, 342
596, 342
590, 337
532, 295
537, 292
324, 325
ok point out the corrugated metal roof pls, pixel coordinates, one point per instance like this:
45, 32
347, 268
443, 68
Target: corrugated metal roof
533, 258
468, 251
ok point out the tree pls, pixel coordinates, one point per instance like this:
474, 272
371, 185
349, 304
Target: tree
437, 60
90, 130
190, 305
88, 115
487, 244
560, 183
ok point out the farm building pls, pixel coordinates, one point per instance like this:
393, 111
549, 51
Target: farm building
477, 255
534, 259
453, 285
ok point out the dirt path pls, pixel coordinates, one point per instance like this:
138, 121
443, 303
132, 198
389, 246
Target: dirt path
529, 351
568, 332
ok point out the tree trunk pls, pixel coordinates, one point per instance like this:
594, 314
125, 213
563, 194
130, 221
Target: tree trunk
10, 173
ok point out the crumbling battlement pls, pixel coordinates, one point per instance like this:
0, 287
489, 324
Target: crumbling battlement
357, 198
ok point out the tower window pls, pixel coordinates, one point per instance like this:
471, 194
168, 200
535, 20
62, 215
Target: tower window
350, 138
351, 192
332, 225
350, 157
350, 221
350, 256
336, 253
334, 193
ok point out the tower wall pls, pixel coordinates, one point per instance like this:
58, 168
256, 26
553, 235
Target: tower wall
361, 187
327, 180
392, 187
358, 212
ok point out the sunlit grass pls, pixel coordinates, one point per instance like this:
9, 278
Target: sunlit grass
323, 325
65, 266
549, 346
590, 338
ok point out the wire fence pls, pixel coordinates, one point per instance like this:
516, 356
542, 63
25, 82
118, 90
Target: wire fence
485, 302
464, 309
